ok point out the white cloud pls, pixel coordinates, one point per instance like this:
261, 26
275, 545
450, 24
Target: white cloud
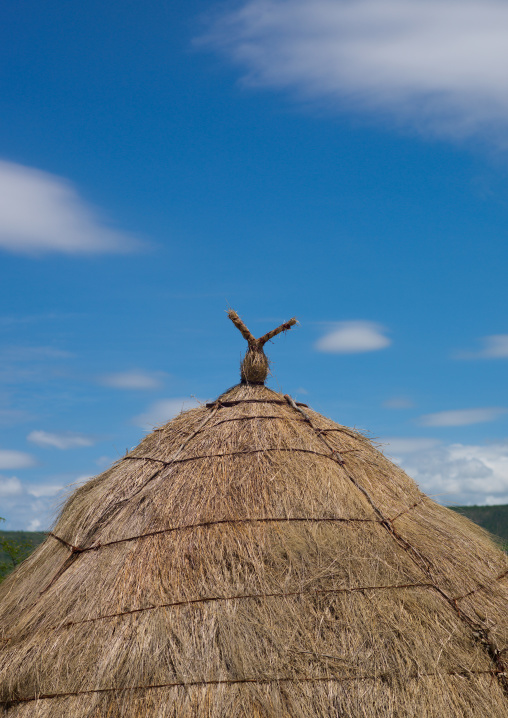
494, 347
353, 338
162, 411
42, 213
10, 487
15, 459
457, 473
135, 379
34, 525
65, 440
462, 417
439, 65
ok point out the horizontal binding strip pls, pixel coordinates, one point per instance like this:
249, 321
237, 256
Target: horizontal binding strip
257, 416
211, 599
332, 456
218, 402
281, 417
236, 681
282, 519
265, 519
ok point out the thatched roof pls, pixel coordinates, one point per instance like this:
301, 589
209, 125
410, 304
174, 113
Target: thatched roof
252, 558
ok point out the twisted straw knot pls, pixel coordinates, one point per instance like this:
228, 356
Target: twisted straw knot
255, 364
254, 367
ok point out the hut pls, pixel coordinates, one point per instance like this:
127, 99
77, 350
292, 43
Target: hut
254, 559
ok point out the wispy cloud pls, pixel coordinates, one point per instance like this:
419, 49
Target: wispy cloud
20, 364
33, 353
45, 490
462, 417
494, 347
438, 65
397, 445
457, 473
162, 411
64, 440
9, 417
20, 319
398, 402
104, 461
134, 379
41, 213
10, 486
353, 338
15, 460
27, 505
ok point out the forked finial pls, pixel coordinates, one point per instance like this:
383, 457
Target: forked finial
254, 367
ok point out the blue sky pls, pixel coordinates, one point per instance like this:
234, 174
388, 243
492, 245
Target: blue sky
341, 161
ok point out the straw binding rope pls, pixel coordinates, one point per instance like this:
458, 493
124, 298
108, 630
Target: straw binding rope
236, 681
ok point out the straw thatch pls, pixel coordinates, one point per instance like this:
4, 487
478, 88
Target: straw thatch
252, 558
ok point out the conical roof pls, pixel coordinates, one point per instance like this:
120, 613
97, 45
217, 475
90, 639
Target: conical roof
252, 558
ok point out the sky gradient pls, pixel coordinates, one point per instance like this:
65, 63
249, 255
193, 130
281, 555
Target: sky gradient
344, 162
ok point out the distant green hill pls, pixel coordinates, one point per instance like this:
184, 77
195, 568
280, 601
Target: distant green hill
491, 518
32, 538
15, 546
